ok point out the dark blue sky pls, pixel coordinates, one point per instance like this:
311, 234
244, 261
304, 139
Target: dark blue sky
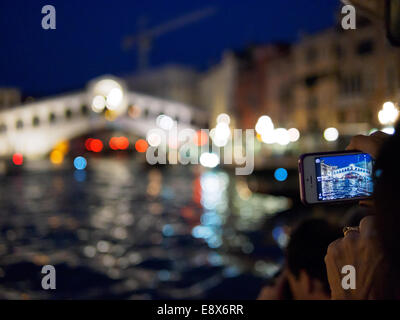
344, 161
87, 41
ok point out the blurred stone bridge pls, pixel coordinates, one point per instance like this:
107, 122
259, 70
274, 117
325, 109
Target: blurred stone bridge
34, 128
351, 169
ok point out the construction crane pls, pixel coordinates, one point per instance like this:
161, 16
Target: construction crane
144, 39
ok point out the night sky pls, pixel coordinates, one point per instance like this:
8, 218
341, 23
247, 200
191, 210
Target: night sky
344, 161
87, 41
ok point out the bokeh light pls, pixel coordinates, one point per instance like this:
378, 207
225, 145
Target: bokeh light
96, 145
56, 157
388, 114
165, 122
114, 98
87, 144
268, 137
223, 118
119, 143
154, 139
281, 174
98, 104
264, 125
80, 163
280, 236
113, 143
222, 131
331, 134
63, 147
141, 146
209, 160
18, 159
281, 136
108, 93
220, 134
294, 134
389, 130
123, 143
168, 230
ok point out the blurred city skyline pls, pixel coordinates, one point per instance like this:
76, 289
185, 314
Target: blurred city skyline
88, 40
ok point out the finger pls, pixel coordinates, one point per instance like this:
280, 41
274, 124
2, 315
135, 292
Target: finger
379, 135
282, 277
267, 293
333, 247
356, 141
333, 273
367, 226
351, 236
363, 143
280, 284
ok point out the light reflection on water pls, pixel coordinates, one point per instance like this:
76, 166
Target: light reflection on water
346, 188
124, 230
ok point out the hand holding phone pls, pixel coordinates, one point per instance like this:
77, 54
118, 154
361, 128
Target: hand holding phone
368, 144
335, 176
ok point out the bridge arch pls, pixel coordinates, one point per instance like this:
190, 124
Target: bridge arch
33, 129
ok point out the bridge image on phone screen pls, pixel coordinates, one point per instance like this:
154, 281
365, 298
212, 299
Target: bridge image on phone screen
344, 176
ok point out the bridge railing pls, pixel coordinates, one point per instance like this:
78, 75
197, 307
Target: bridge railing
50, 118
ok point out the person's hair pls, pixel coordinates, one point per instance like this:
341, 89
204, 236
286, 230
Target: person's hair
307, 249
387, 202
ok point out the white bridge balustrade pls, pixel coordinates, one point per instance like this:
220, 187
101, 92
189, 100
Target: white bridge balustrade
33, 129
352, 169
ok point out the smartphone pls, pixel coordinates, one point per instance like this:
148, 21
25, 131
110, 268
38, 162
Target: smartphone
335, 176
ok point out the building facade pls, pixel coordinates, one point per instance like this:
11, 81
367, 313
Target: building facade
255, 89
342, 78
216, 89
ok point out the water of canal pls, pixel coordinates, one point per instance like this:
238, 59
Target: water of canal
123, 230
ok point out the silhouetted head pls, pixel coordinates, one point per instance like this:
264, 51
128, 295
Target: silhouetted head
387, 202
305, 259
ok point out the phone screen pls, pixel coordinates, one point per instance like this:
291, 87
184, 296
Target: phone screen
344, 176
